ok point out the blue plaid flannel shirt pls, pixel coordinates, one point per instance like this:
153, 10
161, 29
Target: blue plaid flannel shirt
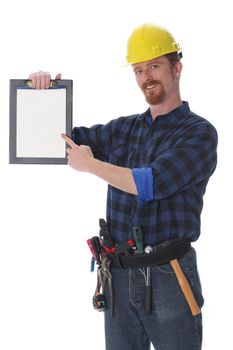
171, 159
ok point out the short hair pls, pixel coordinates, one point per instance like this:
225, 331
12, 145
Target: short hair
174, 57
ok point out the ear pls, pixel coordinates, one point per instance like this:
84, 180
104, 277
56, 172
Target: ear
178, 69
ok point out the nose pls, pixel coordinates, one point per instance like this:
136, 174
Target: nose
147, 74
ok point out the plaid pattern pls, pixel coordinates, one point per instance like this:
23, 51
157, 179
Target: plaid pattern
178, 149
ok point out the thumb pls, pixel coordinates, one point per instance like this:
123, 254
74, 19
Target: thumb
58, 76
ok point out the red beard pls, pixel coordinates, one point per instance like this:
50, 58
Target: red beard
155, 95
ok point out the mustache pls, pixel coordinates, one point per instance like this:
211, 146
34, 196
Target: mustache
149, 83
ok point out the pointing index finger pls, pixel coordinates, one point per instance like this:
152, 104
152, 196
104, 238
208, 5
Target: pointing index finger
68, 140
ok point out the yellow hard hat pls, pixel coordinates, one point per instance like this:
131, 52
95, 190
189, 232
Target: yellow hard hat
150, 41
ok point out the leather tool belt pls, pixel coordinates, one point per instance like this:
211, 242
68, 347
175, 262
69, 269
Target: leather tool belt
166, 252
161, 254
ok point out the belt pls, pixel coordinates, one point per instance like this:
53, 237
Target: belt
161, 254
168, 251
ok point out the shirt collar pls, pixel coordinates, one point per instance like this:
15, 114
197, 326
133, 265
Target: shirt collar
171, 118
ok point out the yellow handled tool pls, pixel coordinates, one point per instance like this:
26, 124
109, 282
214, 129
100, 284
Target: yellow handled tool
185, 287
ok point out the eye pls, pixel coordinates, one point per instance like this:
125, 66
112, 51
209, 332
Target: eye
154, 66
138, 71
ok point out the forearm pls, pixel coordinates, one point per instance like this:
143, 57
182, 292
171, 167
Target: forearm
116, 176
81, 158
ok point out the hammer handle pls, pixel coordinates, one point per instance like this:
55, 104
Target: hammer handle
185, 287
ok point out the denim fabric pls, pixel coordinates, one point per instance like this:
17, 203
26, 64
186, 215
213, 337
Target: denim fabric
170, 326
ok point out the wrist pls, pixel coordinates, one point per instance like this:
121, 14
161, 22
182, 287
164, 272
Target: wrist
91, 165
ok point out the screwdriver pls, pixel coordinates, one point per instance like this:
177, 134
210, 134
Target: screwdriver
138, 237
148, 250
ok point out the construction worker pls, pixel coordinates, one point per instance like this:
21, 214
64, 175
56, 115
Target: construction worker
157, 165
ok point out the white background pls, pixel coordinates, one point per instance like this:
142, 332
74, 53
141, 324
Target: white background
48, 212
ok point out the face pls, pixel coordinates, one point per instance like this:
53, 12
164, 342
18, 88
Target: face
157, 79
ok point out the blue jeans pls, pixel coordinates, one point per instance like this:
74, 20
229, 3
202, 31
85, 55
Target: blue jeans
170, 326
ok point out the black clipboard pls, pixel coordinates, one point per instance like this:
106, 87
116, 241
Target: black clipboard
37, 118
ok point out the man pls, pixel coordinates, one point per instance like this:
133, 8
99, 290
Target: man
157, 165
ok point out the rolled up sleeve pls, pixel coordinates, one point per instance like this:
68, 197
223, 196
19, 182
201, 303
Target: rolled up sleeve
143, 178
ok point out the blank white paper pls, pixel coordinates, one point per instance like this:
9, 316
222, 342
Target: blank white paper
41, 118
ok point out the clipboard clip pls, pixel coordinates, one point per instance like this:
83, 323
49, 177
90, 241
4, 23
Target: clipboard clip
28, 83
